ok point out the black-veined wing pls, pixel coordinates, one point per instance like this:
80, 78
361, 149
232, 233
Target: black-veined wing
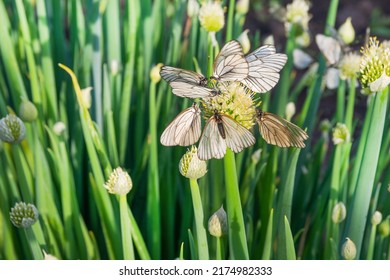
264, 67
220, 132
280, 132
186, 83
230, 64
184, 130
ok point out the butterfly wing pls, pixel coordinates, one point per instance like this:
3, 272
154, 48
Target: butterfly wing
186, 83
211, 144
264, 67
329, 47
237, 136
278, 131
230, 64
184, 130
183, 89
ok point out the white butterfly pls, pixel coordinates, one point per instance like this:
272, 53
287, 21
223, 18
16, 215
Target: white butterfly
264, 67
230, 64
186, 83
184, 130
220, 132
278, 131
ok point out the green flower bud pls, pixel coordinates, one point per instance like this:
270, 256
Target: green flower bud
192, 8
347, 32
12, 129
190, 166
87, 97
244, 40
155, 73
23, 215
119, 182
376, 218
48, 257
339, 213
218, 223
384, 227
242, 7
348, 250
59, 128
27, 111
325, 126
290, 110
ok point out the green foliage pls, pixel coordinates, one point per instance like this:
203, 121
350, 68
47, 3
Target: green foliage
279, 201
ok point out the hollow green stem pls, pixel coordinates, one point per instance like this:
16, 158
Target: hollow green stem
153, 200
34, 245
203, 250
127, 243
229, 28
237, 239
366, 175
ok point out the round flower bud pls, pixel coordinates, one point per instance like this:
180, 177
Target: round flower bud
155, 73
27, 111
348, 250
192, 8
12, 129
376, 218
256, 156
119, 182
242, 7
290, 110
269, 40
218, 223
339, 213
325, 126
59, 128
211, 16
114, 67
384, 227
190, 166
23, 215
87, 97
341, 134
347, 32
244, 40
48, 257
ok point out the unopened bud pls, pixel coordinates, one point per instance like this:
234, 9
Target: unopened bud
27, 111
376, 218
244, 40
348, 250
384, 227
347, 32
190, 166
155, 76
218, 223
339, 213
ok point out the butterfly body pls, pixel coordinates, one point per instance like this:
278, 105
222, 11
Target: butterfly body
221, 132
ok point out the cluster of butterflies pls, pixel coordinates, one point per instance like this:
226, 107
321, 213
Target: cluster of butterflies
258, 71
